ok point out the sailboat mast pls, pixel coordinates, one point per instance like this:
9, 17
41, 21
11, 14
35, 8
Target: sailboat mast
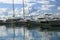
13, 9
23, 18
13, 21
23, 11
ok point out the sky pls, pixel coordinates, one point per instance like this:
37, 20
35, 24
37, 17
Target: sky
31, 7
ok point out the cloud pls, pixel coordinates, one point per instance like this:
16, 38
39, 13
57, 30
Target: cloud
49, 5
9, 12
30, 4
34, 13
6, 1
3, 9
15, 1
52, 0
58, 8
11, 1
46, 7
43, 2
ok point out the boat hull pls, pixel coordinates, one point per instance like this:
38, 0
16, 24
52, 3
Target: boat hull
33, 24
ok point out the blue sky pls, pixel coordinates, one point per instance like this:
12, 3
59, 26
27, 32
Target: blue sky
38, 6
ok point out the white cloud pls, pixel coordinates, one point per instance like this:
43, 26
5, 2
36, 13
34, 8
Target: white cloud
29, 4
58, 8
46, 7
15, 1
52, 0
49, 5
6, 1
43, 2
26, 10
3, 9
18, 12
26, 1
34, 13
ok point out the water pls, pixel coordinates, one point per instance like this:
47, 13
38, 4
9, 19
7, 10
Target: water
22, 33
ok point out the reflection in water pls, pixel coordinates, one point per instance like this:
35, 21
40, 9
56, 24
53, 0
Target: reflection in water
7, 33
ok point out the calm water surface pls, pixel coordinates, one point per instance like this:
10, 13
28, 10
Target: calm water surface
21, 33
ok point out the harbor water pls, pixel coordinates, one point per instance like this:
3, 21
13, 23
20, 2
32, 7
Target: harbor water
22, 33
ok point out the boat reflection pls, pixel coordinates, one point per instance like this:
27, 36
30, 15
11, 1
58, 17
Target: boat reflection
17, 33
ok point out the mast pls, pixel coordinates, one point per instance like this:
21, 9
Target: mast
13, 9
23, 11
13, 21
23, 18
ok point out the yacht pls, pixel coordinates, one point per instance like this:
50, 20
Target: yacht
49, 22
